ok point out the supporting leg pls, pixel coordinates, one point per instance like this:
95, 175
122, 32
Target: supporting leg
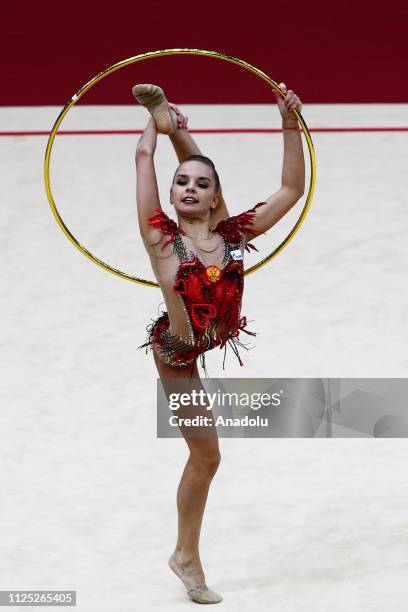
192, 493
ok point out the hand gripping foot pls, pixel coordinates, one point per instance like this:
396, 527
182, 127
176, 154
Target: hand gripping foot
153, 98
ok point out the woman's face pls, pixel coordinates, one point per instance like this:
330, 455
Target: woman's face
193, 189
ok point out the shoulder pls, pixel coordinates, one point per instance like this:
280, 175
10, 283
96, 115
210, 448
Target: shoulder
162, 222
165, 226
235, 228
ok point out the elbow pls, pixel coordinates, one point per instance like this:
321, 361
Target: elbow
143, 152
299, 191
295, 192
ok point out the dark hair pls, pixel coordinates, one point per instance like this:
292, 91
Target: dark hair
208, 162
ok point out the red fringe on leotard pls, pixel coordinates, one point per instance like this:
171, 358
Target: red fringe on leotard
165, 225
155, 329
233, 228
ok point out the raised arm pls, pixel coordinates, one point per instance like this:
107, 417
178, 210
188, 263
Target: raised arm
147, 193
293, 169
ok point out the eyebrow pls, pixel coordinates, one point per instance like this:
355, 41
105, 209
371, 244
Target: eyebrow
200, 178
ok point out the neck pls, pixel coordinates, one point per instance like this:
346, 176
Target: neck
195, 228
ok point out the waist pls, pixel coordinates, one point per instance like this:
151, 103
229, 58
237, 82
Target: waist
204, 336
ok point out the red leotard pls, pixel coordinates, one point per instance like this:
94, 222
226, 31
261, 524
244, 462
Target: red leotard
211, 296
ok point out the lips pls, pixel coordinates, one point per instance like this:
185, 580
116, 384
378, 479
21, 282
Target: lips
190, 200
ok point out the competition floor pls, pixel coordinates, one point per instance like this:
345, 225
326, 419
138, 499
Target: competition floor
88, 491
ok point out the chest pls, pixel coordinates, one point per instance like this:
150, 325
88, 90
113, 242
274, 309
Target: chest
211, 276
213, 255
209, 267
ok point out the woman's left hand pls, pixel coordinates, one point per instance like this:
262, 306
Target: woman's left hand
287, 104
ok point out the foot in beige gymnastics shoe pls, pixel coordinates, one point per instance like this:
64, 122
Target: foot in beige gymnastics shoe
153, 98
199, 593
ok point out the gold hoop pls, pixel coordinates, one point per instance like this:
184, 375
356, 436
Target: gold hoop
139, 58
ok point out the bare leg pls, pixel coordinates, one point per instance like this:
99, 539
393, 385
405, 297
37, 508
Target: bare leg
183, 143
169, 120
192, 495
184, 146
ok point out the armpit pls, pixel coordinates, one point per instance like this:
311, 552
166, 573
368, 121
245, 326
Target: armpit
154, 238
159, 249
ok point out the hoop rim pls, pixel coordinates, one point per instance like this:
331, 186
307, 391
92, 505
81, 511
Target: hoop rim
141, 57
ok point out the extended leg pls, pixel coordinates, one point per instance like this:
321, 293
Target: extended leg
169, 121
184, 145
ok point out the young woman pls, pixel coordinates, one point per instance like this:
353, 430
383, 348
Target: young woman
198, 263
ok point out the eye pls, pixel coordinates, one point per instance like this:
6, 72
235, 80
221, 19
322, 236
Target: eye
181, 182
203, 185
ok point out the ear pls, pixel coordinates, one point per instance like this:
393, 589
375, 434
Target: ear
216, 202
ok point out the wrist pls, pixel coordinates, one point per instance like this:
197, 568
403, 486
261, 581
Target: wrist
289, 123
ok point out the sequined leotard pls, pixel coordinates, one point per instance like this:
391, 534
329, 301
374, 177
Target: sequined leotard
210, 296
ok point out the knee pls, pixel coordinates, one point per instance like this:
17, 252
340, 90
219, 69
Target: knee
208, 463
213, 462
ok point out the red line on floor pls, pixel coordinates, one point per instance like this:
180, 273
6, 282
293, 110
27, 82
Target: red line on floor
208, 131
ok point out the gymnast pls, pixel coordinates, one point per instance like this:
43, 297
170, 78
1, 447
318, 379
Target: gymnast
198, 263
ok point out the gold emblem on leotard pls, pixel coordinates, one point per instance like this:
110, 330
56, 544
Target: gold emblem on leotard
213, 273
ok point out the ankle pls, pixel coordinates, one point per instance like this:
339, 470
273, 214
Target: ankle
186, 557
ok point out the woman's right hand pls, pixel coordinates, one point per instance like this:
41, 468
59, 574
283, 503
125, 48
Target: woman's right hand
181, 120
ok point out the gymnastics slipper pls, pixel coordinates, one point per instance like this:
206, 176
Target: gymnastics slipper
198, 593
153, 98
